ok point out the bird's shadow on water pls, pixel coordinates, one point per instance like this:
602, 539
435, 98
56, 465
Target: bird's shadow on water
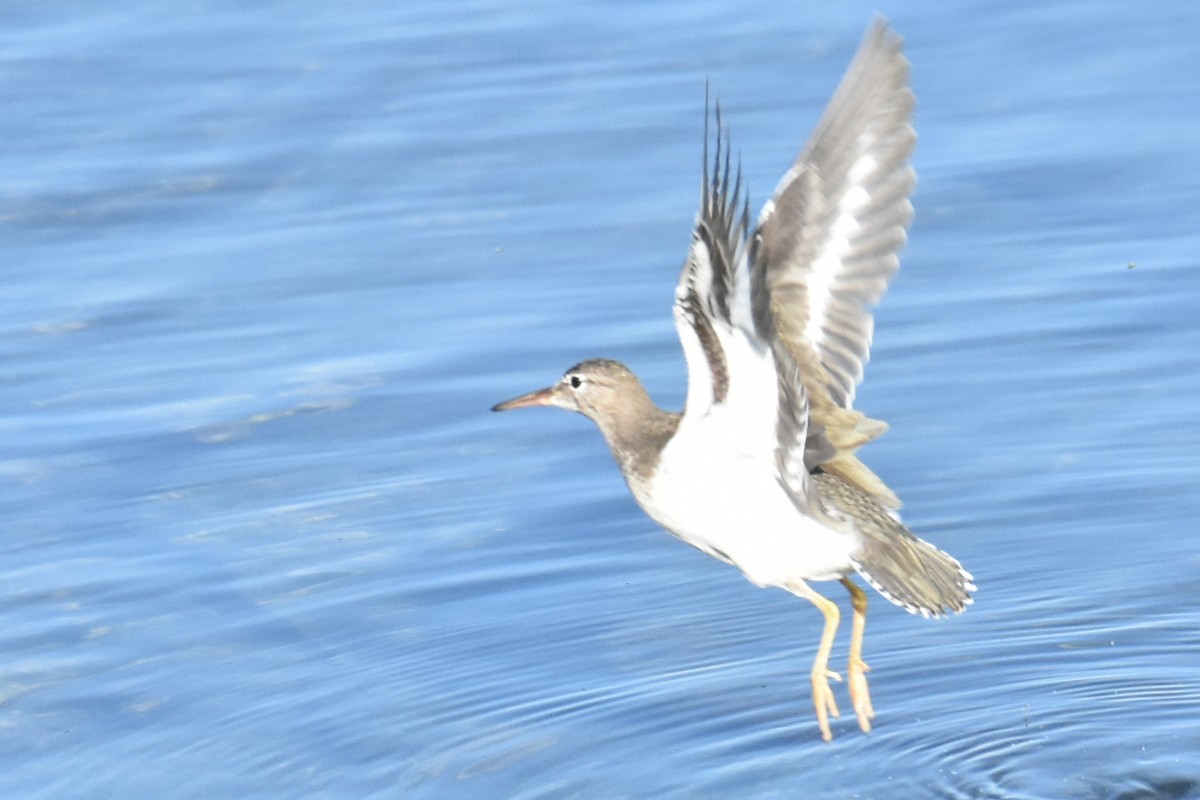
1137, 787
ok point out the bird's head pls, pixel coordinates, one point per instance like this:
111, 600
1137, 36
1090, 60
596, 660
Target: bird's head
598, 388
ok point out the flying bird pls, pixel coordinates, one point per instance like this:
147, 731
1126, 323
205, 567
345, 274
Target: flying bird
761, 468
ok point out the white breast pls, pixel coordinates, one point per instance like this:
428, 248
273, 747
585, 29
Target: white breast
716, 494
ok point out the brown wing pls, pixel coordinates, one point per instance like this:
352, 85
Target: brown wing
827, 244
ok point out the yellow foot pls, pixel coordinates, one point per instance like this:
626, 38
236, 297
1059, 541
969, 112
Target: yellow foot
860, 696
823, 700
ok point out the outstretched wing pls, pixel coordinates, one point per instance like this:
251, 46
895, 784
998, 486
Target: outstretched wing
709, 284
827, 244
750, 383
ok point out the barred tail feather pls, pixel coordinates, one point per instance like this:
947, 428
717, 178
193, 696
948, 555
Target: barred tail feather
915, 575
905, 569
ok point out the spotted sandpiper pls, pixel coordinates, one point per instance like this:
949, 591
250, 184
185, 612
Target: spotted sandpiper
760, 470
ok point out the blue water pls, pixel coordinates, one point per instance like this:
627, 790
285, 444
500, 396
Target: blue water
266, 268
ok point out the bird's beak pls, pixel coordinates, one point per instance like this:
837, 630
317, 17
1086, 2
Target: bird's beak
542, 397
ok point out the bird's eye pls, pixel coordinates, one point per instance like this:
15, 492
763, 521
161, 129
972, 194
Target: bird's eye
576, 381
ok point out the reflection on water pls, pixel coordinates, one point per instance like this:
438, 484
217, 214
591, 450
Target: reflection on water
268, 268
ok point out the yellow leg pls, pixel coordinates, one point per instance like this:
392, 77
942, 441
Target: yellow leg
856, 671
822, 695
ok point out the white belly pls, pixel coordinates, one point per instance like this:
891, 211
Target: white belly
712, 494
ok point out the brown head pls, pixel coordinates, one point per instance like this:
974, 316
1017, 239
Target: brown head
596, 388
609, 394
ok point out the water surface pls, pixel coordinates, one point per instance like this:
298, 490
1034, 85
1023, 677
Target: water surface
267, 268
